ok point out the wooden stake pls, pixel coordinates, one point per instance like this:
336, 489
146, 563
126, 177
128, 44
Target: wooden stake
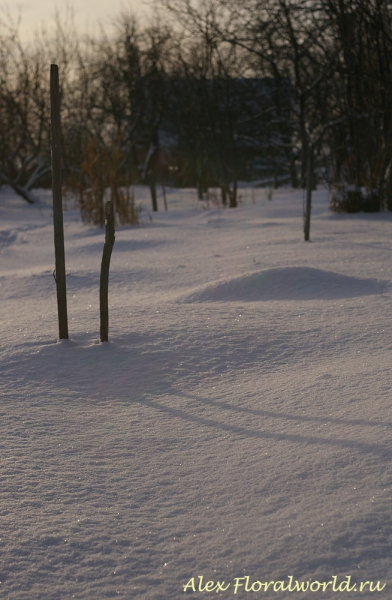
58, 204
104, 283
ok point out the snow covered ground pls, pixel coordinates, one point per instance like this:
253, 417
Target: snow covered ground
237, 423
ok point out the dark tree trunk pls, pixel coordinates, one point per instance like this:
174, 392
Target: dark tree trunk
153, 191
224, 193
293, 172
104, 282
200, 190
164, 196
309, 185
233, 195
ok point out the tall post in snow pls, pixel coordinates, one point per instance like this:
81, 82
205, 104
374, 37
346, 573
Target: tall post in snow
58, 204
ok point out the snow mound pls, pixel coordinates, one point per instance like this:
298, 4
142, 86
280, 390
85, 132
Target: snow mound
7, 238
286, 283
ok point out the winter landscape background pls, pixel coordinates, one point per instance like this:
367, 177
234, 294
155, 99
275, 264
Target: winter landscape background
238, 421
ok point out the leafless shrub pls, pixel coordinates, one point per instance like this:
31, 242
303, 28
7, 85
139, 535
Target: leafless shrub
352, 199
212, 199
100, 176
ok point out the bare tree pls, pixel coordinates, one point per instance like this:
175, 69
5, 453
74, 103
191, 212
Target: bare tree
24, 114
362, 148
209, 97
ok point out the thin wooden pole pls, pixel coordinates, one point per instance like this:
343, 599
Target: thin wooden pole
309, 184
104, 283
58, 204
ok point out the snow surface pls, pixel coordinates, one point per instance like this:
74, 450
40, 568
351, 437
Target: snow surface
238, 421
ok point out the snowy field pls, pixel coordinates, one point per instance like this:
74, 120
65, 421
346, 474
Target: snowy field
237, 423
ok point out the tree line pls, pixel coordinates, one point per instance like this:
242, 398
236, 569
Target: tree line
206, 93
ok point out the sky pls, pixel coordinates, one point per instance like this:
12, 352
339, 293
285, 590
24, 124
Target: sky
88, 13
